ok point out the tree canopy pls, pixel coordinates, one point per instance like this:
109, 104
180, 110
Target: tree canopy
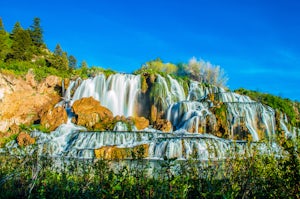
36, 32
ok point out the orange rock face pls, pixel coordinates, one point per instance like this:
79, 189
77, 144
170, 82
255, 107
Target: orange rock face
54, 117
21, 101
89, 112
153, 113
141, 122
24, 139
113, 152
163, 125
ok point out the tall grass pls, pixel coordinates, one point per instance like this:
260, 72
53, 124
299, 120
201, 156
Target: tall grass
255, 176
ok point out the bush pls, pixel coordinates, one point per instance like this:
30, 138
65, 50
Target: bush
249, 176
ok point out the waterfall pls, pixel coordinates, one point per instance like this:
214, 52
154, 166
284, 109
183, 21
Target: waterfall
120, 126
283, 121
199, 91
119, 92
177, 91
72, 141
259, 119
188, 114
192, 113
233, 97
167, 91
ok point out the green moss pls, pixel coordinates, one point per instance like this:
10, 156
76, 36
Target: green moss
5, 140
220, 112
144, 84
221, 116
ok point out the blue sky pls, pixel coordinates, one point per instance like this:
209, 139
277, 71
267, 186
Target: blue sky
255, 41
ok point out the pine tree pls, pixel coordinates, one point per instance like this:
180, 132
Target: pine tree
60, 59
1, 25
58, 51
4, 48
64, 61
84, 67
16, 28
36, 32
21, 48
72, 62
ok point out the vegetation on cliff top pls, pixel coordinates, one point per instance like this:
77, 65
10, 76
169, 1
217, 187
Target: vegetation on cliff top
24, 49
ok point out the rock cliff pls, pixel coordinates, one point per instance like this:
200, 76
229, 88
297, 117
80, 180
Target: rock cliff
23, 100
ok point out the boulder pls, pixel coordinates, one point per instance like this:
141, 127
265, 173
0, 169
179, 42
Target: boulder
140, 122
113, 152
24, 139
88, 112
54, 117
163, 125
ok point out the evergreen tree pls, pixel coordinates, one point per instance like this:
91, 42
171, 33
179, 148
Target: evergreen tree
16, 28
36, 32
21, 48
72, 62
58, 51
84, 67
1, 25
4, 48
60, 59
64, 61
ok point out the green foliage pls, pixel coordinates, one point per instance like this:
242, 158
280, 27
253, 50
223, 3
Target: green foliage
283, 105
72, 62
248, 176
21, 48
1, 25
4, 141
17, 27
58, 50
201, 71
144, 84
41, 71
157, 66
59, 59
4, 45
36, 32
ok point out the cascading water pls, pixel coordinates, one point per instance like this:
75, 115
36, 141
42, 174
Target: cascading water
167, 91
188, 114
119, 92
72, 141
199, 91
259, 119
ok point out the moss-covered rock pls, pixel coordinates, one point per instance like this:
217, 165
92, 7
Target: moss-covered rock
25, 139
221, 128
113, 152
140, 122
163, 125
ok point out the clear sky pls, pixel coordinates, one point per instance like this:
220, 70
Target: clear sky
255, 41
